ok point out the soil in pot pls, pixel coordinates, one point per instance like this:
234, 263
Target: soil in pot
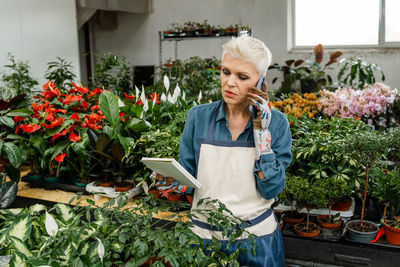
123, 186
325, 222
365, 227
301, 229
293, 217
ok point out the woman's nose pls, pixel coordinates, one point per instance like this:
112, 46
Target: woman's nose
231, 80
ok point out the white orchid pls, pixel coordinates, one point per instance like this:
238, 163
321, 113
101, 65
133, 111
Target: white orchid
146, 105
171, 99
163, 97
143, 95
166, 82
100, 249
183, 95
51, 225
200, 97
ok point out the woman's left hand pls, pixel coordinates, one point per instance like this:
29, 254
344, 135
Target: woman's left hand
262, 136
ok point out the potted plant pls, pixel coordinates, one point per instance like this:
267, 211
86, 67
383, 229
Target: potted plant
358, 72
287, 196
386, 187
8, 190
333, 190
310, 196
366, 148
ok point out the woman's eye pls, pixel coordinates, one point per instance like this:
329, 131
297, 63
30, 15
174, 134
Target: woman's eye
225, 71
243, 77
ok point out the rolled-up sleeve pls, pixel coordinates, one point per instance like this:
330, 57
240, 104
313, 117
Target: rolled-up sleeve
274, 165
186, 147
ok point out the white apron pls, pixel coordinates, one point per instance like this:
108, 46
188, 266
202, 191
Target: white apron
225, 171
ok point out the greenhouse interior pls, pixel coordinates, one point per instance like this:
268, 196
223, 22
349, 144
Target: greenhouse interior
129, 128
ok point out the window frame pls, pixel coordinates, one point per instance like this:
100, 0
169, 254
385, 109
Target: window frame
381, 32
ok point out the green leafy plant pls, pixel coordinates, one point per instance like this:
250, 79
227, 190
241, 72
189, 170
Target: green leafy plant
114, 73
366, 148
310, 196
112, 235
357, 72
333, 190
17, 79
318, 149
8, 190
385, 186
311, 75
60, 72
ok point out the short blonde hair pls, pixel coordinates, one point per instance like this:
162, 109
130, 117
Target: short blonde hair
251, 50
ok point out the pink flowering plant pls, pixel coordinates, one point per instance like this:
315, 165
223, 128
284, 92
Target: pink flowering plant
372, 102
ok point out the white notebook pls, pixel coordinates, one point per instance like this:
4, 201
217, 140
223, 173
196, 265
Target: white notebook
169, 167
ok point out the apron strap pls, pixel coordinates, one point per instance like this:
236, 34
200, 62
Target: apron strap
246, 224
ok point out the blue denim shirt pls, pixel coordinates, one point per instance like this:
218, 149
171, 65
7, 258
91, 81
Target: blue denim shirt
273, 165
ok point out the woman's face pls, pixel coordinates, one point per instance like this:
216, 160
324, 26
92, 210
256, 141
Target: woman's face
237, 77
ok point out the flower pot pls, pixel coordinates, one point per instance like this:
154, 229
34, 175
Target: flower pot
368, 234
342, 205
392, 234
106, 184
123, 186
78, 183
51, 179
175, 197
300, 229
296, 218
189, 198
34, 177
324, 224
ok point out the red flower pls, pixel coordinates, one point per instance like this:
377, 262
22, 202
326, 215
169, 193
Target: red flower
139, 102
54, 123
74, 116
123, 117
55, 136
60, 157
28, 128
47, 85
77, 89
71, 98
129, 97
155, 97
74, 137
95, 91
92, 120
84, 105
95, 107
18, 118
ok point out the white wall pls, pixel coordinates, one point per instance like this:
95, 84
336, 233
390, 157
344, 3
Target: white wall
137, 35
39, 31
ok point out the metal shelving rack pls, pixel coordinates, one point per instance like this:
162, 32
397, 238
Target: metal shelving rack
185, 38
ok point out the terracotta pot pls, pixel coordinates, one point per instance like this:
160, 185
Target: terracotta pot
189, 198
155, 193
106, 184
323, 224
175, 197
123, 187
392, 235
290, 220
306, 234
342, 206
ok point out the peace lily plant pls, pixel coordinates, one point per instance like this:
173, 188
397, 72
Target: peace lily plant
112, 235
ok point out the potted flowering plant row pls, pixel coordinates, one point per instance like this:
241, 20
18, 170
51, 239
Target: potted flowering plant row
197, 29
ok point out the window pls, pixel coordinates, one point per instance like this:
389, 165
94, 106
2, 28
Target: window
346, 23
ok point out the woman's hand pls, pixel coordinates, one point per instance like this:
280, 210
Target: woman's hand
262, 137
167, 185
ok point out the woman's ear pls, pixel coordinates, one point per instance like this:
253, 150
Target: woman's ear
264, 86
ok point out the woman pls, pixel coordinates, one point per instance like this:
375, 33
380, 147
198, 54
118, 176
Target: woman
238, 149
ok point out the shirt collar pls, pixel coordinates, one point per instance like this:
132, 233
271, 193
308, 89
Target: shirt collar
222, 115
